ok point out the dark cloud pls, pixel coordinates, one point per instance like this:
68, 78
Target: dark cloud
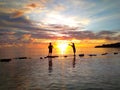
7, 18
7, 33
102, 33
62, 27
81, 35
18, 24
108, 35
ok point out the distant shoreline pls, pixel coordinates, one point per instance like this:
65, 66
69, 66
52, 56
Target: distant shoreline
113, 45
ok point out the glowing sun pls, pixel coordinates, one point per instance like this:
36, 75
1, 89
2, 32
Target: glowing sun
62, 47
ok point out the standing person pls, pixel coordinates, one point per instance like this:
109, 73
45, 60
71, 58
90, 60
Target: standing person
74, 49
50, 47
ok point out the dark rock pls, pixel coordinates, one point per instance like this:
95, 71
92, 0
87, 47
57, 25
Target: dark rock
104, 54
5, 60
115, 53
52, 56
65, 56
41, 57
81, 55
21, 58
92, 55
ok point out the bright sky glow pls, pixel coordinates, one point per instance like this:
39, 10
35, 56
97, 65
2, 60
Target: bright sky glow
60, 20
44, 21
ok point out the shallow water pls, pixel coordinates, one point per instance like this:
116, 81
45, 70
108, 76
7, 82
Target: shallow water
99, 72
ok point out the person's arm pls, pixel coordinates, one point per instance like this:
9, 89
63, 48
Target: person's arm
69, 44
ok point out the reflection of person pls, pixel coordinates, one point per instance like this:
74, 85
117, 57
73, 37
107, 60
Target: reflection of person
50, 65
74, 59
74, 49
50, 47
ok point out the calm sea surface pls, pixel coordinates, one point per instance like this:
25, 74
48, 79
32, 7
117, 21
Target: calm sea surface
100, 72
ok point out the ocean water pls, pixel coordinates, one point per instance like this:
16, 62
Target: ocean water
100, 72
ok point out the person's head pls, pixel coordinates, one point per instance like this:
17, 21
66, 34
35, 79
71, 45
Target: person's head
50, 43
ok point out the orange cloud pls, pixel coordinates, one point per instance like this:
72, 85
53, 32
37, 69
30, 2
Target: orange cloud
17, 14
27, 9
7, 10
59, 7
26, 37
20, 12
33, 5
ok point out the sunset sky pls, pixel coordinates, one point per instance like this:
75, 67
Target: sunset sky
90, 22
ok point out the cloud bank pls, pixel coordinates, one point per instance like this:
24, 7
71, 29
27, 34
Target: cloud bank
35, 22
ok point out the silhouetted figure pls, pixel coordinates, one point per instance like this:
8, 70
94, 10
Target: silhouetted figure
74, 49
74, 59
50, 65
50, 47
